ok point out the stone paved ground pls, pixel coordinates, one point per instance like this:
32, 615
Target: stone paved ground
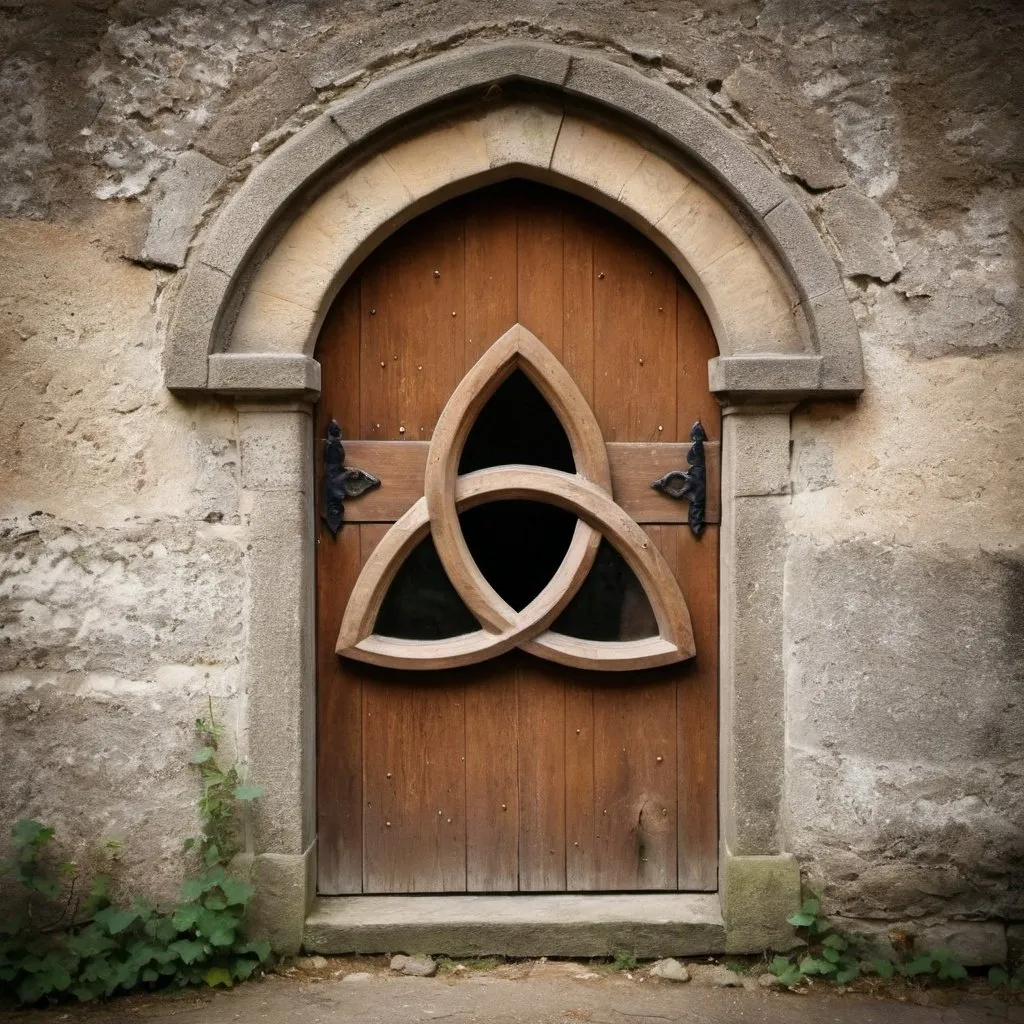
527, 993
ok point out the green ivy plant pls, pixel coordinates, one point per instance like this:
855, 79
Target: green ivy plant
54, 946
1001, 977
833, 955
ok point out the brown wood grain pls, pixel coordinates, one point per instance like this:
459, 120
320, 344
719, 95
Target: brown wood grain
400, 466
495, 746
414, 779
492, 721
339, 691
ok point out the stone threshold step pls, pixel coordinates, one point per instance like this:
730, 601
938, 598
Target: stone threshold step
646, 924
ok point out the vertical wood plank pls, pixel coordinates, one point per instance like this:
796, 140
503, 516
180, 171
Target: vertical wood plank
578, 302
540, 268
413, 329
695, 346
581, 825
339, 690
634, 339
696, 560
541, 693
492, 728
697, 572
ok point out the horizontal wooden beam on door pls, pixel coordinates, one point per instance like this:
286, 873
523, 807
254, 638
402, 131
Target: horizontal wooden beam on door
634, 465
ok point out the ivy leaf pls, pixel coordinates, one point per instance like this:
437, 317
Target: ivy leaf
244, 966
831, 954
801, 920
847, 973
186, 915
811, 906
192, 889
261, 947
203, 755
236, 892
222, 935
248, 793
919, 965
998, 976
218, 976
883, 968
835, 941
189, 950
114, 920
28, 832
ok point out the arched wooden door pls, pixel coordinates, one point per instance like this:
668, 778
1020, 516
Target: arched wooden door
516, 772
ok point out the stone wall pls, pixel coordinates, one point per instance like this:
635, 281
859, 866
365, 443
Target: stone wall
124, 536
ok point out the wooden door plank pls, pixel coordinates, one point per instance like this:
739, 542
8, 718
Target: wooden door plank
339, 691
541, 771
578, 300
540, 269
580, 814
492, 792
413, 330
634, 339
697, 572
541, 694
635, 783
695, 346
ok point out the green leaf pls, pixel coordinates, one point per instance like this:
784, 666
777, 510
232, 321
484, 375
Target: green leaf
952, 971
847, 973
811, 906
243, 967
222, 935
192, 889
114, 920
186, 915
998, 976
919, 965
836, 941
28, 832
248, 793
203, 755
261, 947
830, 954
801, 920
236, 891
883, 968
218, 976
150, 975
190, 950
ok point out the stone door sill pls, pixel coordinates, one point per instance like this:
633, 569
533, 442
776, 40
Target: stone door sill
645, 924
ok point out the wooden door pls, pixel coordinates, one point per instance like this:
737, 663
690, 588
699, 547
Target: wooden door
516, 773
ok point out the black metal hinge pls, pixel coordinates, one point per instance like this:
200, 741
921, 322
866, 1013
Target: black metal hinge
691, 484
340, 483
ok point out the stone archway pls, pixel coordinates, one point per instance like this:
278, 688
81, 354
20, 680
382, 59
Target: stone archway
255, 295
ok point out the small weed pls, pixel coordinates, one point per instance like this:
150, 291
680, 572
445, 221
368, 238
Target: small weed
623, 962
55, 945
1000, 977
832, 955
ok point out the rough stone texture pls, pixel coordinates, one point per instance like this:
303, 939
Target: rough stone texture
974, 943
758, 894
649, 925
670, 970
800, 133
907, 786
184, 190
898, 539
863, 234
417, 966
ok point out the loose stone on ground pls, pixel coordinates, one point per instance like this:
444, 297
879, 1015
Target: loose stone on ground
417, 966
670, 970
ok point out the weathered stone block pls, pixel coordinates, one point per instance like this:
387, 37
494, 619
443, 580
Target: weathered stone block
863, 232
758, 894
185, 189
